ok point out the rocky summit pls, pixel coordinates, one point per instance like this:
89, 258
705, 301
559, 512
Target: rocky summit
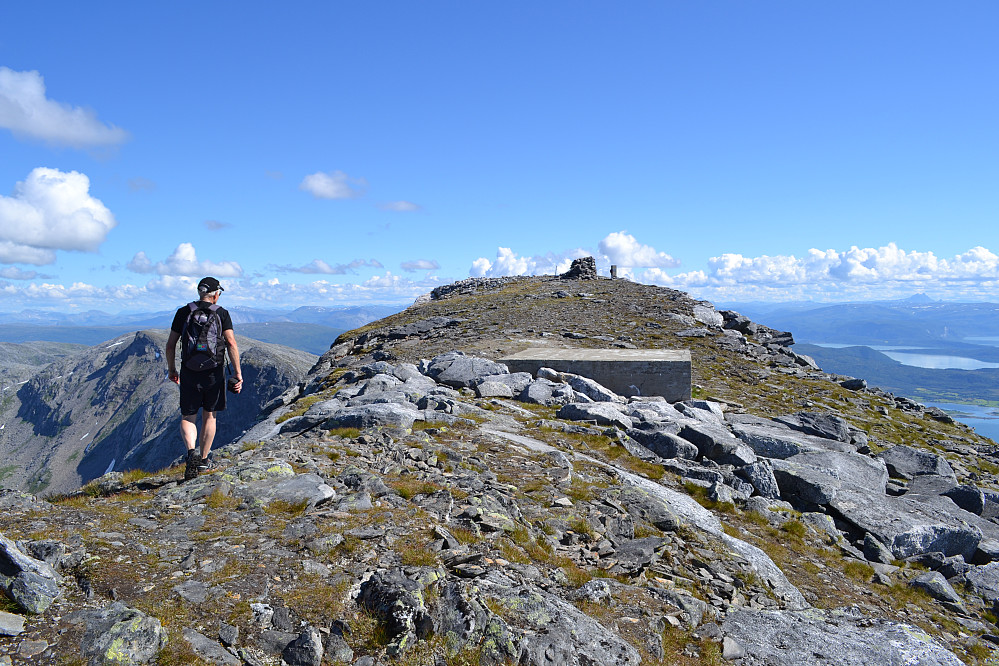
414, 502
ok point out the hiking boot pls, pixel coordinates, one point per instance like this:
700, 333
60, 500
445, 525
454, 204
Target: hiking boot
193, 463
205, 465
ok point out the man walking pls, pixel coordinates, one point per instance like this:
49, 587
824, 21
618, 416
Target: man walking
205, 331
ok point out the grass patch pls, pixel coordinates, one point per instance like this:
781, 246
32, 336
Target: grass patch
408, 488
281, 507
858, 571
316, 600
345, 433
794, 528
220, 500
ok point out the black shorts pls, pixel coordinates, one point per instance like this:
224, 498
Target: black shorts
202, 390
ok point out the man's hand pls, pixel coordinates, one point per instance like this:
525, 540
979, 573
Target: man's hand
174, 376
238, 386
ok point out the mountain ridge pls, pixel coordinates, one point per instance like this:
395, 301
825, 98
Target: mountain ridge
413, 501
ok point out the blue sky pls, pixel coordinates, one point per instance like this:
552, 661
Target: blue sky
341, 153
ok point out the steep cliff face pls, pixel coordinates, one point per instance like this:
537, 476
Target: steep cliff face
112, 407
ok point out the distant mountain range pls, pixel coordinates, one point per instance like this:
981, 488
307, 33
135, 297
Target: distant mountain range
309, 328
919, 324
913, 321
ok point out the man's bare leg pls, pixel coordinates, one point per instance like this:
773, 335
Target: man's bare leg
189, 431
207, 433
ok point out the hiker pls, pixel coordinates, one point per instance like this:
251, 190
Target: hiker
205, 331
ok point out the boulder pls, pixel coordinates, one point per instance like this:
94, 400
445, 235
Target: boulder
906, 462
306, 650
546, 392
816, 477
374, 415
307, 490
490, 389
984, 581
818, 637
664, 443
591, 389
761, 475
457, 370
773, 440
602, 412
30, 583
826, 426
119, 634
937, 586
906, 526
515, 381
706, 314
209, 650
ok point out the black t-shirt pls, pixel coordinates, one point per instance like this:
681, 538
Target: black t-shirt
177, 326
180, 318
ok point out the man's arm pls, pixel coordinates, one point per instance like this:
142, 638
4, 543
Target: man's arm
230, 342
171, 356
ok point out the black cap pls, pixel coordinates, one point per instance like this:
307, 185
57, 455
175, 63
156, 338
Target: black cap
208, 285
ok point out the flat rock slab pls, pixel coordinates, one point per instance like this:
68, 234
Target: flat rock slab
775, 440
817, 476
814, 637
907, 527
906, 462
663, 372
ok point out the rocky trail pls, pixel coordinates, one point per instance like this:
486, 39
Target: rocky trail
413, 502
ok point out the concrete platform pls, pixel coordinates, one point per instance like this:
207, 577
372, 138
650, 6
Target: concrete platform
627, 372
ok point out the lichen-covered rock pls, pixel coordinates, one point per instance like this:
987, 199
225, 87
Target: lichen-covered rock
30, 583
119, 635
818, 637
457, 370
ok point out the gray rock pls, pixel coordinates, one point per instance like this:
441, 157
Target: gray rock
398, 602
819, 637
308, 490
192, 591
374, 415
968, 497
907, 527
816, 477
30, 583
489, 389
11, 624
591, 389
937, 586
664, 443
761, 475
602, 412
515, 381
457, 370
209, 650
826, 426
306, 650
546, 392
984, 581
707, 436
854, 384
906, 462
773, 440
651, 411
119, 634
706, 314
875, 551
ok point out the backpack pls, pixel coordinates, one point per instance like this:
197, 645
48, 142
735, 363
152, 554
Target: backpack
202, 344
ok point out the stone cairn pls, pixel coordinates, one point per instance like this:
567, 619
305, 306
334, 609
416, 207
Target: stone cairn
584, 268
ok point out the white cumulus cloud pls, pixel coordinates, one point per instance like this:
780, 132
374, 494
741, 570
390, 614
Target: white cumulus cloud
856, 273
420, 265
509, 263
27, 112
184, 262
51, 210
620, 248
333, 185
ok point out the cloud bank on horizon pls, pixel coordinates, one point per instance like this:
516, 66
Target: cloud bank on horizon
820, 275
